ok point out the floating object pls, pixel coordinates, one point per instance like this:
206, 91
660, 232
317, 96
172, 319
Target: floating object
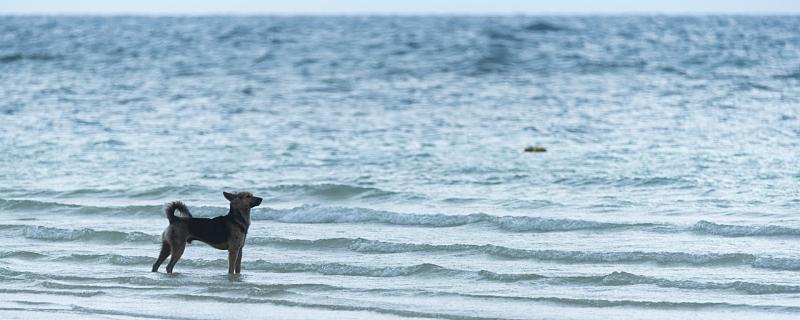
535, 149
542, 27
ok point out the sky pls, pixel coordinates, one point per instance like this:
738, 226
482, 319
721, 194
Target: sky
200, 7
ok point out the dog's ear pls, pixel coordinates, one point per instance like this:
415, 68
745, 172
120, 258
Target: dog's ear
229, 196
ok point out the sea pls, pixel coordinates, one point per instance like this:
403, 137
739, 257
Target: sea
660, 179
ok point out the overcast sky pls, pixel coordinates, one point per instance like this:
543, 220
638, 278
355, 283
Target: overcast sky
161, 7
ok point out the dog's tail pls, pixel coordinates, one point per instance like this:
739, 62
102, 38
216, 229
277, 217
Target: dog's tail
177, 205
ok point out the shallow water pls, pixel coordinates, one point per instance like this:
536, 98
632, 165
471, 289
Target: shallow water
389, 152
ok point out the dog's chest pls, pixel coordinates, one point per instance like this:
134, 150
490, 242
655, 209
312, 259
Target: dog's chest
236, 238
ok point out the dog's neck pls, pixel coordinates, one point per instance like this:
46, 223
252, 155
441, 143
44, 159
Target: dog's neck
241, 219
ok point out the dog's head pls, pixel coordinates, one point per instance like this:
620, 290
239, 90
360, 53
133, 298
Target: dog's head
242, 201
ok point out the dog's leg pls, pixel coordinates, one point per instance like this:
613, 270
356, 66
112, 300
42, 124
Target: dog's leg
161, 256
239, 261
177, 252
233, 254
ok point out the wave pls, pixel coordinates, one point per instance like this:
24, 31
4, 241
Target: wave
276, 267
114, 313
57, 234
316, 214
53, 292
331, 307
322, 214
605, 303
636, 182
365, 246
78, 286
347, 270
85, 234
169, 193
155, 193
114, 259
257, 292
597, 303
21, 255
667, 258
620, 278
706, 227
508, 277
29, 206
338, 192
22, 205
617, 278
153, 282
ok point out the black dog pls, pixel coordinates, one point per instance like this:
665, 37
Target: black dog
226, 232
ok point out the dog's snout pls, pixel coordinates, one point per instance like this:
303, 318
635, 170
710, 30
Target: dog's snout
255, 202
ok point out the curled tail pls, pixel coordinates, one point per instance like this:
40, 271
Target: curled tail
177, 205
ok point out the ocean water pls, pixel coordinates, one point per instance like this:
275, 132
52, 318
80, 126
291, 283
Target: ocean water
390, 154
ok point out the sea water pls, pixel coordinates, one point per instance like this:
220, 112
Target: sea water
390, 155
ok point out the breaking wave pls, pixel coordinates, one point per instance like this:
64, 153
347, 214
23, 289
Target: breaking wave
371, 246
366, 246
30, 206
617, 278
706, 227
321, 214
682, 258
335, 191
57, 234
625, 279
316, 214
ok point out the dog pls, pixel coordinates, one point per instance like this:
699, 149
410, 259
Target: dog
226, 232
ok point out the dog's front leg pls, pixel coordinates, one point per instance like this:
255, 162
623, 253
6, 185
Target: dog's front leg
233, 255
239, 261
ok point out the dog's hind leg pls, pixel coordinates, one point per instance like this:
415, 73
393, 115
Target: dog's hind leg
177, 252
162, 256
239, 261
